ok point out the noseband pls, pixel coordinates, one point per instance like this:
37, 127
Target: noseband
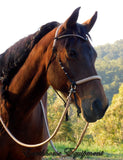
73, 83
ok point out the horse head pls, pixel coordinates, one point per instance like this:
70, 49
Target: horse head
73, 59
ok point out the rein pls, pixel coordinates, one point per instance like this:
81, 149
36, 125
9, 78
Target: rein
46, 141
51, 142
72, 91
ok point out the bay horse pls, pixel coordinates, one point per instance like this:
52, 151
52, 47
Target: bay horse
58, 55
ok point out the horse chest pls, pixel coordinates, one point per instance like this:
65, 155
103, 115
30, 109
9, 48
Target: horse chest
14, 152
9, 150
33, 132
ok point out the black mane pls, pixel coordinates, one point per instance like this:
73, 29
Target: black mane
14, 57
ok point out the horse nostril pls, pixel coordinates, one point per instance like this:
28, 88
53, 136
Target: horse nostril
97, 108
97, 105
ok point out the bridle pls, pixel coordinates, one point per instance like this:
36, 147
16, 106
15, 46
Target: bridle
73, 83
72, 91
81, 81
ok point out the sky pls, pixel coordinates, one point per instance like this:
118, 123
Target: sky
19, 18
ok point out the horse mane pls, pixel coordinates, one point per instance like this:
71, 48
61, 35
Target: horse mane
14, 57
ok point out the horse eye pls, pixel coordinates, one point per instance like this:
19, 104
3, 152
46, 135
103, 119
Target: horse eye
72, 53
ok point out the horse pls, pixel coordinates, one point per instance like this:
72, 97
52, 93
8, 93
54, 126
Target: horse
58, 55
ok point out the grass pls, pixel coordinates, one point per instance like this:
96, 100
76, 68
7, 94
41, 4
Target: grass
96, 152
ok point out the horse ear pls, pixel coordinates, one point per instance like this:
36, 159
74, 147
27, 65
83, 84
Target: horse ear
71, 21
90, 22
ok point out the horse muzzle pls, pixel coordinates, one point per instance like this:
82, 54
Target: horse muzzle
95, 112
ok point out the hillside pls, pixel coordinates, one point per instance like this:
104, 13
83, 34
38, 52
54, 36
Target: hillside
109, 66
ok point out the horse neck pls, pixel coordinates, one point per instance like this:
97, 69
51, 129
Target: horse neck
30, 83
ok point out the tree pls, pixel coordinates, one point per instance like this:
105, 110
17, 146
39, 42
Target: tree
109, 66
55, 110
109, 130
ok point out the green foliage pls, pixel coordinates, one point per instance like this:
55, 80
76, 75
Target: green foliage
109, 130
109, 66
55, 110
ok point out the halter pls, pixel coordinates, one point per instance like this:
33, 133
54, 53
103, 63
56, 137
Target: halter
84, 80
72, 90
73, 83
